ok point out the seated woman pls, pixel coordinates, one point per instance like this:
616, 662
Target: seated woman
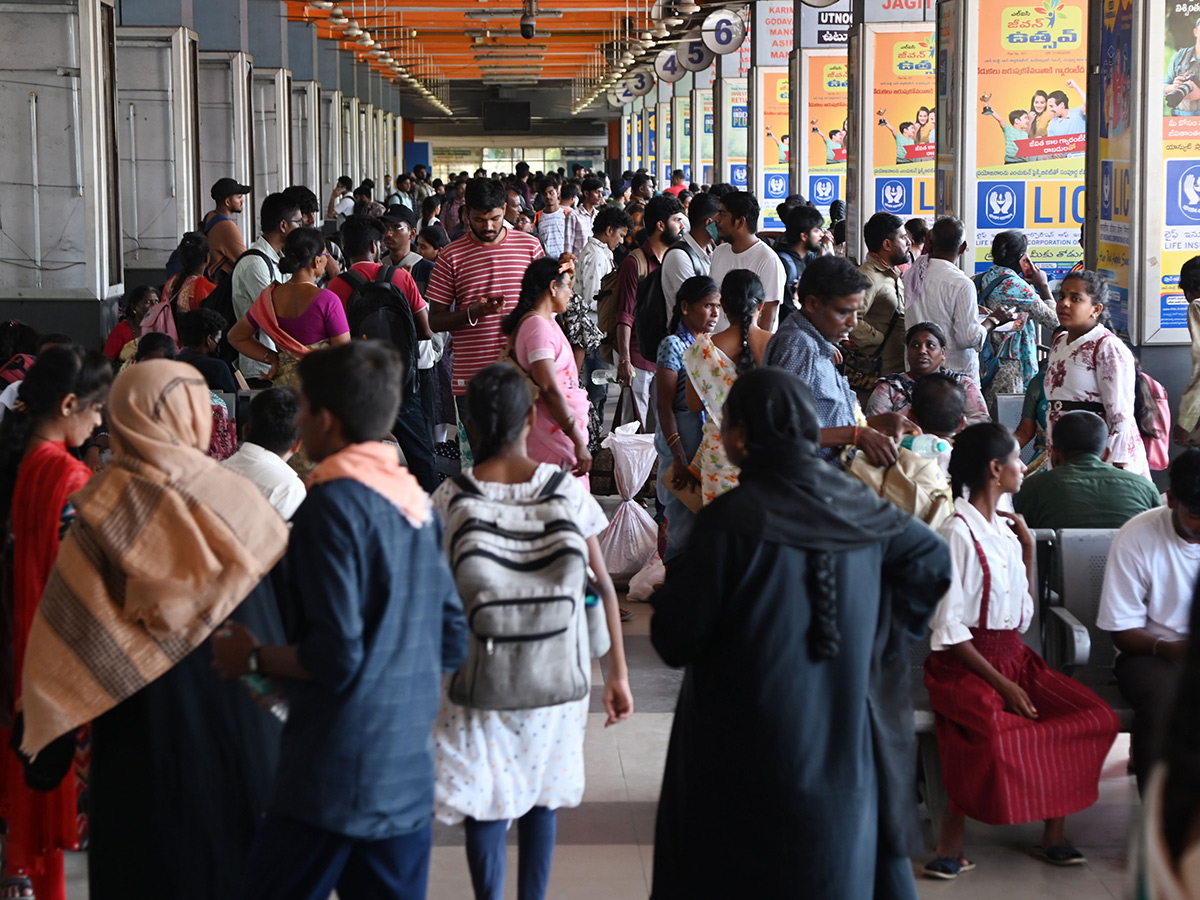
777, 609
713, 364
1091, 368
121, 343
1019, 741
677, 438
926, 351
541, 349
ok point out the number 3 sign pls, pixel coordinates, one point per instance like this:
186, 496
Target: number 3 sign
723, 31
639, 83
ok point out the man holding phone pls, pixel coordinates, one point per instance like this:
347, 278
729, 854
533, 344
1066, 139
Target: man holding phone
476, 280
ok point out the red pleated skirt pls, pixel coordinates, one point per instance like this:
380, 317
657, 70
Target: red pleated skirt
1001, 768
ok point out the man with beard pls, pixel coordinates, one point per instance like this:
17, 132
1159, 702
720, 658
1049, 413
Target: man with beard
225, 241
399, 222
804, 240
737, 222
476, 281
663, 222
881, 326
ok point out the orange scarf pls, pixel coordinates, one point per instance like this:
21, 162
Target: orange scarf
374, 465
263, 312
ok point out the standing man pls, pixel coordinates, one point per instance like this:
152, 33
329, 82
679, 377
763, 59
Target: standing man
278, 217
664, 222
514, 204
584, 214
225, 241
552, 221
643, 186
476, 281
937, 290
421, 186
680, 266
341, 201
404, 196
881, 324
452, 210
1149, 582
374, 622
804, 239
737, 222
678, 183
609, 228
306, 201
400, 222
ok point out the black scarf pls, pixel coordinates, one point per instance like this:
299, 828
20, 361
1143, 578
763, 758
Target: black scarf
786, 491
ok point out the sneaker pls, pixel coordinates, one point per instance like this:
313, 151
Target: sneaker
626, 615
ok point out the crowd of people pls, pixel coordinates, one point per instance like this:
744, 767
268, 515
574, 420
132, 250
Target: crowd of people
371, 596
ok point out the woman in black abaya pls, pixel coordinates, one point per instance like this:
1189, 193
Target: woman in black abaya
790, 768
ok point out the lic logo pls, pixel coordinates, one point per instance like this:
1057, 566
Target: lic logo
1001, 204
1189, 193
1106, 189
892, 195
777, 186
738, 175
823, 190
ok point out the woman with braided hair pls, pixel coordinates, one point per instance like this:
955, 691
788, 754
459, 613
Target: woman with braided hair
1019, 741
713, 364
795, 718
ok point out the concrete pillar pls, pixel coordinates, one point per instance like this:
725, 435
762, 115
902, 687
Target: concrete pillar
160, 13
224, 24
302, 51
626, 138
329, 65
348, 83
770, 132
681, 125
703, 127
819, 81
268, 34
665, 138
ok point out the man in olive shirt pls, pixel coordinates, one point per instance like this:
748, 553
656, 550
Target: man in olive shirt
1082, 491
880, 328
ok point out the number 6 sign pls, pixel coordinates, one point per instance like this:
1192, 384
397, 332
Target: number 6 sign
723, 31
693, 55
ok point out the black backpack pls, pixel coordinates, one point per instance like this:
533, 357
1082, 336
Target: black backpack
379, 310
221, 301
793, 267
650, 308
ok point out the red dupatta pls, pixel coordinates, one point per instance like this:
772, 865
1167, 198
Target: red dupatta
47, 476
263, 312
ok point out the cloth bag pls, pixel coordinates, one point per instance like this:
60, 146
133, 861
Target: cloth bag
631, 538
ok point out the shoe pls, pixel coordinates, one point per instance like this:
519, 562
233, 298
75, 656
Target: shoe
1060, 855
947, 868
626, 615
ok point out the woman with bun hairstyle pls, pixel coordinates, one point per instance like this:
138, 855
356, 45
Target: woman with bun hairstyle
57, 409
187, 290
713, 364
539, 347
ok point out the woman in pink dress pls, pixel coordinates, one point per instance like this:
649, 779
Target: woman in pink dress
1090, 368
539, 347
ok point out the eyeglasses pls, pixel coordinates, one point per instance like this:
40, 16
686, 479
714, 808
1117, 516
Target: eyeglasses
296, 223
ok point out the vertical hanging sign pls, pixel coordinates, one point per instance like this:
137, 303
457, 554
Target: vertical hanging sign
773, 36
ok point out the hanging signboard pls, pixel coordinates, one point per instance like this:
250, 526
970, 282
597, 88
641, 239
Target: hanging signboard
773, 93
723, 31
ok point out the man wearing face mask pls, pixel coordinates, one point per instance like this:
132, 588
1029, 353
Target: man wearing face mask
695, 250
663, 222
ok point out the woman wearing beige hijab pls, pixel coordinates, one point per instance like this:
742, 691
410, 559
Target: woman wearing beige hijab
167, 544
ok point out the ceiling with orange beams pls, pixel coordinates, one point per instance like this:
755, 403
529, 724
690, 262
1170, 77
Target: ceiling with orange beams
463, 48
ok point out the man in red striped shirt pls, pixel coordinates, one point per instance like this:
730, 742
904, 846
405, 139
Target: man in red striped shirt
477, 280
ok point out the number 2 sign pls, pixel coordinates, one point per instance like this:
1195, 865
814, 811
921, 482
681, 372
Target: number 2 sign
723, 31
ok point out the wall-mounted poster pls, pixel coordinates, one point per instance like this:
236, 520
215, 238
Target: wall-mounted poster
775, 141
905, 122
827, 114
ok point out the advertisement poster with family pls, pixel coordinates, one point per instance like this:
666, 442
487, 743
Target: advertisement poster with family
828, 80
905, 118
1032, 134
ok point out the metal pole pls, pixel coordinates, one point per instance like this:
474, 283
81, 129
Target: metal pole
73, 46
137, 238
37, 206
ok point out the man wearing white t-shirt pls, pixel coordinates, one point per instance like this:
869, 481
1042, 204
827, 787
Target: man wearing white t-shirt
679, 267
737, 222
1149, 582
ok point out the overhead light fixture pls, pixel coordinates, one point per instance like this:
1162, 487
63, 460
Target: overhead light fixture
352, 29
687, 7
365, 40
337, 18
511, 12
321, 4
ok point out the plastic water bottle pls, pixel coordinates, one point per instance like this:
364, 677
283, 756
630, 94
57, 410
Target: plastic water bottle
604, 376
928, 445
267, 695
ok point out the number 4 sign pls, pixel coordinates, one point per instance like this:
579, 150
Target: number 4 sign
723, 31
667, 67
693, 55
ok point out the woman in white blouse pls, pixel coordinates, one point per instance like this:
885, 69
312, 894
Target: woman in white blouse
1018, 741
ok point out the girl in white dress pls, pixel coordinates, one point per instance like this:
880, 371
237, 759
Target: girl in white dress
1090, 368
494, 766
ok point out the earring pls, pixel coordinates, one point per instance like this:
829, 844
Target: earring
998, 483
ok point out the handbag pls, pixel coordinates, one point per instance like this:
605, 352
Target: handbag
862, 369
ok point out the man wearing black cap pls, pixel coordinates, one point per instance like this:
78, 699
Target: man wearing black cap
399, 222
225, 241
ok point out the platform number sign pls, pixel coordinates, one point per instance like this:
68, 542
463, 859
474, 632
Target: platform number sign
693, 55
639, 83
723, 32
667, 67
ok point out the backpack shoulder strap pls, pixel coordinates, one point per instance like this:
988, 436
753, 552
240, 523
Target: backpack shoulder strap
467, 485
356, 279
550, 488
989, 290
643, 264
385, 274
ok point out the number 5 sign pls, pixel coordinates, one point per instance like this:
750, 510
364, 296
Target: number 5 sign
723, 31
693, 55
667, 67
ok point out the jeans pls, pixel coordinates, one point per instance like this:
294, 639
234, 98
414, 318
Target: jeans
294, 861
597, 393
486, 857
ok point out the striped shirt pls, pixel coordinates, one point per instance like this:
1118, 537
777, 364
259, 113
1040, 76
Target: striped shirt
469, 270
552, 229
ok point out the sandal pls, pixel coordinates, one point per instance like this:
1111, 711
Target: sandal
1060, 855
947, 868
16, 888
626, 615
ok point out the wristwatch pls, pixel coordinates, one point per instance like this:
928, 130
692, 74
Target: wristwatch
252, 661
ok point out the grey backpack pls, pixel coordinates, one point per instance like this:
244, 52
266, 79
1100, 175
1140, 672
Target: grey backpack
521, 569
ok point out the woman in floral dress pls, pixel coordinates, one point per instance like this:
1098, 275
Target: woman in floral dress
1090, 368
713, 365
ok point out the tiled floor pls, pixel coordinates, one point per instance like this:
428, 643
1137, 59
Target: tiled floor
605, 847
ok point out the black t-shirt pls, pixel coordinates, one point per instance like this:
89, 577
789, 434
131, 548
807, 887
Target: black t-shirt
216, 372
